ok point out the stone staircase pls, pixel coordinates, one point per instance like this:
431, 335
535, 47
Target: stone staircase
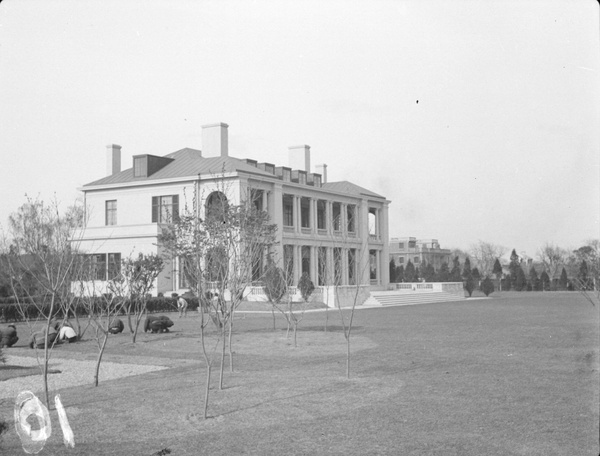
402, 298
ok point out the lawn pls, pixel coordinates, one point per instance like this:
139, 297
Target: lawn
513, 375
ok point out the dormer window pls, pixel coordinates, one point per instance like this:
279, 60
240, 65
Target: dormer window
140, 166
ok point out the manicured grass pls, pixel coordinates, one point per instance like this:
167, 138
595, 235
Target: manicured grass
512, 375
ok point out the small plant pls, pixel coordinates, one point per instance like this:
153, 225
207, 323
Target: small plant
305, 286
487, 286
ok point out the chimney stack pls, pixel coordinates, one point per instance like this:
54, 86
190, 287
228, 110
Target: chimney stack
299, 157
215, 140
113, 159
322, 170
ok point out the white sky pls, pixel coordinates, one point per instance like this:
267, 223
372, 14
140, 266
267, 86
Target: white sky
502, 146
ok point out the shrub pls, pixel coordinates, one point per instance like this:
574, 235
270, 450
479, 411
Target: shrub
487, 286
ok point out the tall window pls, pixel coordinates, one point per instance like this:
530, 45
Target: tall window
165, 209
351, 219
337, 266
288, 210
373, 264
288, 263
114, 265
321, 215
305, 212
322, 266
216, 206
184, 273
257, 198
111, 212
337, 216
351, 266
306, 260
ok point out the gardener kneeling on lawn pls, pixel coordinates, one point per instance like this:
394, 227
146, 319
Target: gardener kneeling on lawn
116, 326
158, 324
67, 333
38, 339
8, 336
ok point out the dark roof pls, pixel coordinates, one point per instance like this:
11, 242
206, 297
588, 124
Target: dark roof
186, 163
350, 188
190, 163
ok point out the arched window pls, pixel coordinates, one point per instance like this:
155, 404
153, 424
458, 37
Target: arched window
216, 206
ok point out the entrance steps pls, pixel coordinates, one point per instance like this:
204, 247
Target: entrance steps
400, 298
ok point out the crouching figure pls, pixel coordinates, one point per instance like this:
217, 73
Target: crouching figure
116, 326
8, 336
158, 324
38, 339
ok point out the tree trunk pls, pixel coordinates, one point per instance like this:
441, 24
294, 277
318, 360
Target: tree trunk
100, 359
348, 356
230, 346
223, 347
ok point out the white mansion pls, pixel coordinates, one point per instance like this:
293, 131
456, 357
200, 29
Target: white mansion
126, 210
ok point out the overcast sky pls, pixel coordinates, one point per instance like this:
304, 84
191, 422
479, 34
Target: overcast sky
478, 120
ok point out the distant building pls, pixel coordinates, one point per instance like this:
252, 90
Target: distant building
127, 209
403, 250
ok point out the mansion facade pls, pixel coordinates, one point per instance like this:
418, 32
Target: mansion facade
321, 226
418, 251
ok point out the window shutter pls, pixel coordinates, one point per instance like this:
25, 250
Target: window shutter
154, 209
175, 208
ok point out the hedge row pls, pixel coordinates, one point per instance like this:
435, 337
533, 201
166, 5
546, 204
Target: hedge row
13, 312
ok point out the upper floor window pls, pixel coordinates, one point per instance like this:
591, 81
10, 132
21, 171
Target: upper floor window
305, 212
401, 246
321, 215
417, 260
288, 210
165, 209
111, 212
337, 216
351, 221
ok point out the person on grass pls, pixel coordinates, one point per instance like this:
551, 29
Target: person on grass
8, 336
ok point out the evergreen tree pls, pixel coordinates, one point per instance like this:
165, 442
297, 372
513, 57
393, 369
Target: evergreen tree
545, 281
455, 272
467, 269
498, 273
476, 274
392, 271
534, 281
487, 286
400, 274
514, 267
409, 272
429, 273
417, 275
521, 280
563, 282
508, 282
443, 275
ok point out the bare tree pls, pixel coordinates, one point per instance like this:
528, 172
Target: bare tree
102, 308
553, 258
484, 255
43, 264
225, 249
139, 275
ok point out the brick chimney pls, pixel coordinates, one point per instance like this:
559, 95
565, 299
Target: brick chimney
113, 159
299, 157
215, 142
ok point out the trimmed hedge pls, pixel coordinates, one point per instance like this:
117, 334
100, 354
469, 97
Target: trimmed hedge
10, 312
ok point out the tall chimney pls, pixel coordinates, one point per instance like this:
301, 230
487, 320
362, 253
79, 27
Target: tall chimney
322, 170
299, 157
113, 159
214, 140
